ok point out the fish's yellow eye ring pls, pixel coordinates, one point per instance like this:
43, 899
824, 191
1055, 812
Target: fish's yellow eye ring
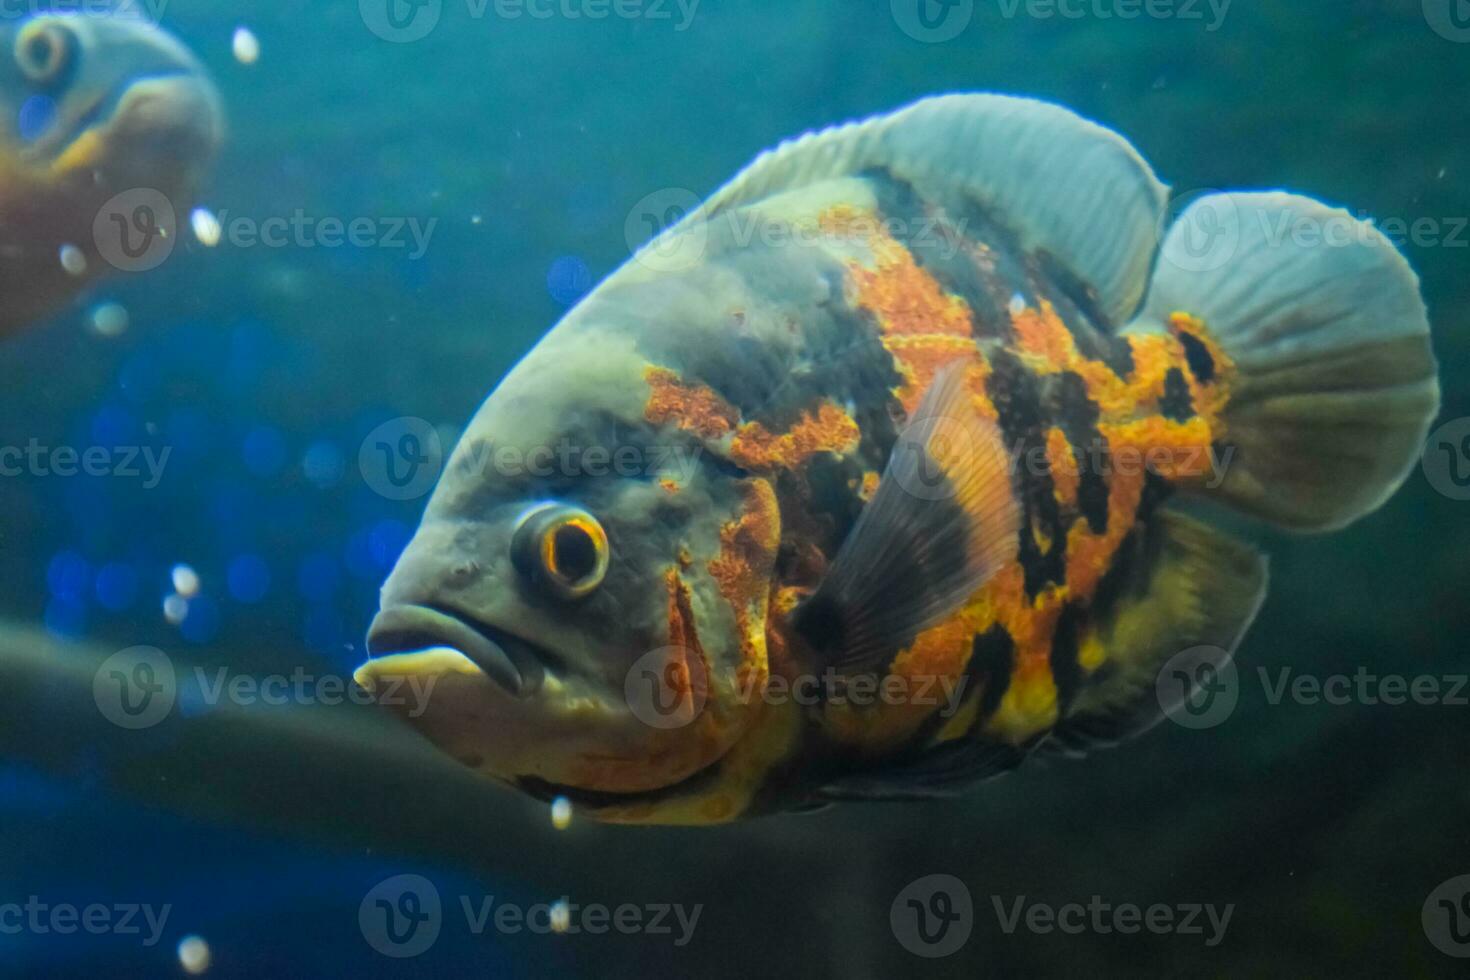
563, 548
44, 52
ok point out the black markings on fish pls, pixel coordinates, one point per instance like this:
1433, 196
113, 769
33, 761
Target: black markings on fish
944, 245
1076, 304
1176, 405
1197, 356
993, 659
1077, 416
1066, 670
1015, 393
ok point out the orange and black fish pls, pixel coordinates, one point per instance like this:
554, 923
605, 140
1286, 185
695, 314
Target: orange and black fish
918, 403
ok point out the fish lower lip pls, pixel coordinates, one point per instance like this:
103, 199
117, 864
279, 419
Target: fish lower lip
509, 662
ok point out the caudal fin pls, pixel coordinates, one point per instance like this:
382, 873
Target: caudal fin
1334, 383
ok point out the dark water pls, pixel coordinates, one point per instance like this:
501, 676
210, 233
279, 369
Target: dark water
522, 147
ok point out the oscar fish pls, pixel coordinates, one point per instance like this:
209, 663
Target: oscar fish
92, 106
925, 409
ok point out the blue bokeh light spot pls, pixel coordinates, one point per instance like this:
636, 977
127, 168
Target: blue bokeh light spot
387, 540
188, 432
37, 113
323, 464
114, 425
201, 622
264, 451
359, 556
117, 586
323, 630
249, 578
68, 576
139, 378
318, 577
66, 617
568, 279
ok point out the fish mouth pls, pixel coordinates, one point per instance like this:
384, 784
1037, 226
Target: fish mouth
516, 664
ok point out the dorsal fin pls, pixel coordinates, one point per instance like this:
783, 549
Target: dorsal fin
1066, 185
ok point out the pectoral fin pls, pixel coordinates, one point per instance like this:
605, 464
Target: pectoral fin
943, 520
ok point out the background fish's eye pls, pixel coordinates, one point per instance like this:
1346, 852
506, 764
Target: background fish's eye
562, 548
44, 52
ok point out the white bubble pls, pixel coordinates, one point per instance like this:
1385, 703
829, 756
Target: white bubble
561, 916
246, 46
1018, 305
175, 609
206, 227
194, 955
186, 581
109, 320
561, 813
73, 260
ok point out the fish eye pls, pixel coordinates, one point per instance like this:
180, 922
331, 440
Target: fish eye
562, 548
44, 52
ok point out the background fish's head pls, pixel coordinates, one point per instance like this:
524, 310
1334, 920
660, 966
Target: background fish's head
93, 107
112, 98
587, 590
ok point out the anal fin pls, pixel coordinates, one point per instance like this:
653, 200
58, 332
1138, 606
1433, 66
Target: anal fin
1182, 598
